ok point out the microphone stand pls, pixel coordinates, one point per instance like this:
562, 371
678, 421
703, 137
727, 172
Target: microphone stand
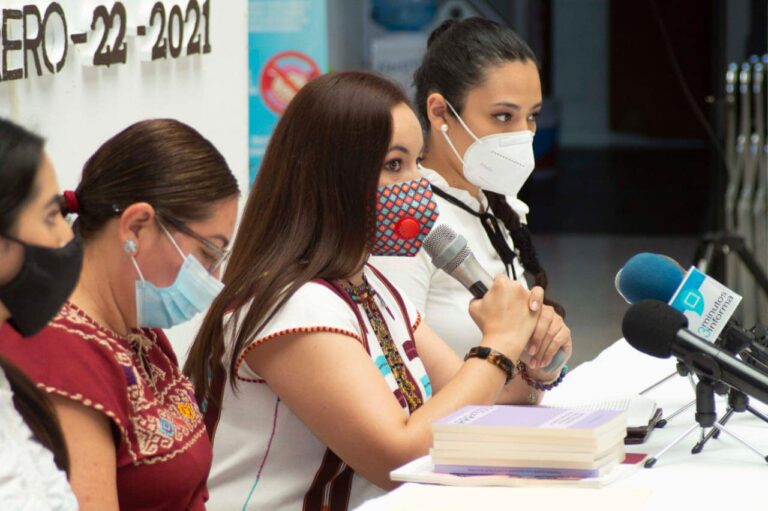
680, 370
706, 413
738, 402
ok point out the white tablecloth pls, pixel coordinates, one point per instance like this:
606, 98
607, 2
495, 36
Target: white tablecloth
725, 475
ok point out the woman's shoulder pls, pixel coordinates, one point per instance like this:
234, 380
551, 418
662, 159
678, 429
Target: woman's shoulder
73, 356
317, 296
315, 306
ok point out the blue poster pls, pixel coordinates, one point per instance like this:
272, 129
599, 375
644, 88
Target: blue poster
287, 46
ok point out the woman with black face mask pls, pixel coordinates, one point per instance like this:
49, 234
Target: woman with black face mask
40, 263
156, 207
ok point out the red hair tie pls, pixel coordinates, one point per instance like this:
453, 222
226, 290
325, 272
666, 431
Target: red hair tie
71, 202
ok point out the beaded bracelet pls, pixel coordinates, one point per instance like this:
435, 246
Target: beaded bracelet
523, 371
494, 357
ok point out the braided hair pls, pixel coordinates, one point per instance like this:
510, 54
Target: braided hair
457, 57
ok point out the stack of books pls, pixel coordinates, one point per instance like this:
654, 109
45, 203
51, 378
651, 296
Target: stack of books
529, 442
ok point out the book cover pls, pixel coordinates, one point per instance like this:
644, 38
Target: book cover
471, 462
526, 472
421, 470
531, 420
468, 450
494, 444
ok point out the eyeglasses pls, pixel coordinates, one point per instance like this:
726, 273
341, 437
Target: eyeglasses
221, 254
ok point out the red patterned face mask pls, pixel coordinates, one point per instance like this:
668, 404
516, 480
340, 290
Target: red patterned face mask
405, 213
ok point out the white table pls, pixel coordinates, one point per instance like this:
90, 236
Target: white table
725, 475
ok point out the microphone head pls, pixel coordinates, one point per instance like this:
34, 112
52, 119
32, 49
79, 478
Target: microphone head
651, 326
649, 277
446, 248
438, 240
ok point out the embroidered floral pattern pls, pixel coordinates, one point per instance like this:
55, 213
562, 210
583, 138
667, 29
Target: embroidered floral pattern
367, 297
164, 418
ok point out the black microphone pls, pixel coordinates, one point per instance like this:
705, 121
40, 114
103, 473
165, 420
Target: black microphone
657, 329
450, 252
656, 277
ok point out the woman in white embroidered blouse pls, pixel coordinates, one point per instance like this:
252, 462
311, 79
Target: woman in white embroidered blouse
33, 455
478, 94
338, 379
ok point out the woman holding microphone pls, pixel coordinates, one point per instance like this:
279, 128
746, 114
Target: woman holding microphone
478, 94
318, 374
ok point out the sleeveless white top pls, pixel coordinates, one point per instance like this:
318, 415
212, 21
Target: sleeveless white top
29, 478
441, 298
264, 457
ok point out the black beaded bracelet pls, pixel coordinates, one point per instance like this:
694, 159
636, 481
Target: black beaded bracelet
523, 371
496, 358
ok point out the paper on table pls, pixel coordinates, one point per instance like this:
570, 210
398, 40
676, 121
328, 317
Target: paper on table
639, 409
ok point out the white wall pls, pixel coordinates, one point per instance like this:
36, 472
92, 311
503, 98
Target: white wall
81, 106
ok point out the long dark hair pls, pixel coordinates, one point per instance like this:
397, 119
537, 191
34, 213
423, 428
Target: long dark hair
20, 155
38, 413
310, 213
162, 162
458, 55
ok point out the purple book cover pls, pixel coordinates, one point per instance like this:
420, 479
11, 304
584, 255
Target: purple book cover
532, 472
528, 417
527, 472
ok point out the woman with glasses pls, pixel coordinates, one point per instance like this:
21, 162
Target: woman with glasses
156, 208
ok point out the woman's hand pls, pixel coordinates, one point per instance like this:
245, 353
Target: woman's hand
505, 316
550, 335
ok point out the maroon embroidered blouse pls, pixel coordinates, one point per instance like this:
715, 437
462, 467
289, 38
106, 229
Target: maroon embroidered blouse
163, 451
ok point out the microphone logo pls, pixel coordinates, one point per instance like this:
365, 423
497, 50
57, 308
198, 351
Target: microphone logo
706, 303
694, 302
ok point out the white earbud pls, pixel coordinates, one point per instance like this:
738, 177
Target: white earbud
444, 128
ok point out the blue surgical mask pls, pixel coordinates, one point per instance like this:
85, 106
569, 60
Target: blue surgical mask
191, 293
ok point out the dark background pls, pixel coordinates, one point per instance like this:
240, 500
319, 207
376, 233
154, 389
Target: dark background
659, 173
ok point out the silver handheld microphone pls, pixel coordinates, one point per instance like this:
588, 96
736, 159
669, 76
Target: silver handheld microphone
449, 252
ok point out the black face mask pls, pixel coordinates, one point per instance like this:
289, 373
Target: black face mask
46, 279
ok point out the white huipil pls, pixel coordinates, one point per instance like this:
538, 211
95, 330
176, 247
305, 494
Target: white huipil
264, 456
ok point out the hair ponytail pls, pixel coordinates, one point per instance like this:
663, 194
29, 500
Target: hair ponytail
521, 237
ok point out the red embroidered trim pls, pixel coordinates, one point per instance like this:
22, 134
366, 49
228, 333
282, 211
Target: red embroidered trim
298, 330
99, 407
417, 323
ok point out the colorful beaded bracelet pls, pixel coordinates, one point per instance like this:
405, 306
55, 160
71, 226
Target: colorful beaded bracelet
523, 372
